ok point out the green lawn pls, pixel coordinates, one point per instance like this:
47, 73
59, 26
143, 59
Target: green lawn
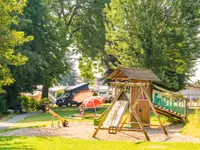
42, 119
58, 143
63, 112
66, 112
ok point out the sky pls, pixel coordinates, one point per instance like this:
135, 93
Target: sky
197, 73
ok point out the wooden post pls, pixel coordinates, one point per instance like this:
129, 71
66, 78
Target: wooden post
186, 109
51, 121
140, 123
154, 110
59, 123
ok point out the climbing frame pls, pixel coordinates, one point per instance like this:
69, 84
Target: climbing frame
112, 120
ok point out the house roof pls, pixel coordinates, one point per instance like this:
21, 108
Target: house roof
134, 74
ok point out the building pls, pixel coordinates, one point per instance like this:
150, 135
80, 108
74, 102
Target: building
191, 92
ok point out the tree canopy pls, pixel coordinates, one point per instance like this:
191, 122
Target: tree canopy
159, 35
46, 53
37, 35
10, 39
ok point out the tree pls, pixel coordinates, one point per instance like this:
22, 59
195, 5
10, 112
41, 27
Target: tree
84, 20
197, 82
86, 69
158, 35
9, 39
71, 77
46, 53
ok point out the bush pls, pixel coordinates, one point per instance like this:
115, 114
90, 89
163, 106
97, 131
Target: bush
29, 104
2, 105
45, 101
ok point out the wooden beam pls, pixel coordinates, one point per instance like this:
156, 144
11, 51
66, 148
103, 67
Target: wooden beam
154, 110
146, 124
122, 79
123, 129
128, 84
139, 122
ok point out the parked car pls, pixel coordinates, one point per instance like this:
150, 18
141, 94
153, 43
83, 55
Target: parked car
66, 97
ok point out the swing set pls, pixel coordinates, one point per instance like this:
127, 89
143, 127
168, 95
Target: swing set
137, 103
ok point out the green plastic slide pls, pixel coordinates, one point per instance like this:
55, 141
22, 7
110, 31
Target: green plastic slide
98, 120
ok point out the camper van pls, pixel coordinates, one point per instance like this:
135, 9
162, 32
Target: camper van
106, 93
66, 97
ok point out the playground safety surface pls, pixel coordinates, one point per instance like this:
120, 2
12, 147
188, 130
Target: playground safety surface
84, 130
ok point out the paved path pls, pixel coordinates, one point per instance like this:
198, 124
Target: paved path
15, 119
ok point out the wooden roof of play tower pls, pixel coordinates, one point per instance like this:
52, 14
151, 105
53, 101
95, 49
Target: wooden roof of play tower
133, 74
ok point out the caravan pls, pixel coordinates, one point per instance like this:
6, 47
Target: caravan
66, 97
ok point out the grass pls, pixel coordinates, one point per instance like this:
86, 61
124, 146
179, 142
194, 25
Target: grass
66, 112
60, 143
154, 120
192, 128
41, 120
44, 120
63, 112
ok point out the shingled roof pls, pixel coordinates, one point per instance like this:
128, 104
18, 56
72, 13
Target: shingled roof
134, 74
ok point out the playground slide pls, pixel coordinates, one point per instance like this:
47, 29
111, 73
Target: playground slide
115, 115
98, 120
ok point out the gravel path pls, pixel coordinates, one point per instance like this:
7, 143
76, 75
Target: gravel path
84, 130
15, 119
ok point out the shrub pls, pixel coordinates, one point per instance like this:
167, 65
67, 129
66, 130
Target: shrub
45, 101
29, 103
192, 127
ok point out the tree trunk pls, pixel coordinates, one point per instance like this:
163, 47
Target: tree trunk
45, 91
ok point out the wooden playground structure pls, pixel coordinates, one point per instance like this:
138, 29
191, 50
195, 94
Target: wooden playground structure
168, 104
138, 84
